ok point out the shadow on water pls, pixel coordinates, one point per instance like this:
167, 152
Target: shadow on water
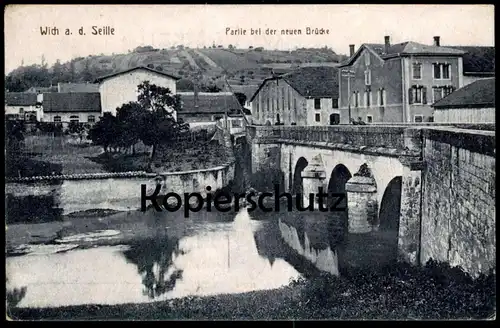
154, 259
32, 208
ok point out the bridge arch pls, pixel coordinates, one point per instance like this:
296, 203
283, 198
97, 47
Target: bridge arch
336, 184
297, 185
390, 212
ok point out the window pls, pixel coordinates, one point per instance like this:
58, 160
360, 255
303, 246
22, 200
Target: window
437, 71
32, 117
368, 100
289, 99
369, 119
57, 118
74, 118
441, 71
236, 124
21, 110
355, 99
430, 119
418, 119
368, 77
447, 90
295, 103
317, 117
417, 95
446, 71
268, 107
417, 71
381, 97
91, 119
367, 58
317, 103
257, 105
335, 103
437, 94
282, 99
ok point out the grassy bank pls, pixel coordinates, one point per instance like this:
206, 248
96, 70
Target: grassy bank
399, 291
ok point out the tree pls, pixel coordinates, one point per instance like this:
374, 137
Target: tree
76, 128
242, 98
104, 131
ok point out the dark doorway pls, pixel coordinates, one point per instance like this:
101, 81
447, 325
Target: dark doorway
390, 211
297, 176
334, 119
278, 118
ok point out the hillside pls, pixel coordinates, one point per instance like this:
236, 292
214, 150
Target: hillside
240, 66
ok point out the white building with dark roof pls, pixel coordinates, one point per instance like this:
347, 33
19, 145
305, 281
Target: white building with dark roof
474, 103
63, 108
23, 106
120, 88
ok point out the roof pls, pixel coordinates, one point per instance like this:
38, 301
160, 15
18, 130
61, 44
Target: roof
42, 89
208, 103
247, 90
72, 102
20, 99
310, 82
478, 59
78, 87
408, 48
102, 78
480, 93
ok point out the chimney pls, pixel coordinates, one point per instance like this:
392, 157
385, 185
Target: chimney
436, 41
351, 50
387, 43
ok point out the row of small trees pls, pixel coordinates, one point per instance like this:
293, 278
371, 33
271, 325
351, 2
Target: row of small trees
149, 119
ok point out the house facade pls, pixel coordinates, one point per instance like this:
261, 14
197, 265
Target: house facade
72, 107
474, 103
397, 83
307, 96
23, 106
121, 88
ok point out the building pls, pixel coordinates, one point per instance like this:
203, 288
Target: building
397, 82
474, 103
247, 90
72, 107
77, 87
121, 88
23, 106
306, 96
478, 63
202, 108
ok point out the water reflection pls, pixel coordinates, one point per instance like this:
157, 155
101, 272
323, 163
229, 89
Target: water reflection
154, 260
208, 258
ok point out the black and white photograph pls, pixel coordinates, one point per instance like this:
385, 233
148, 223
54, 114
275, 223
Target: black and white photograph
249, 162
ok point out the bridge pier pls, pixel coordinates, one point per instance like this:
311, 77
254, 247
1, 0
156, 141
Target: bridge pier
362, 203
313, 178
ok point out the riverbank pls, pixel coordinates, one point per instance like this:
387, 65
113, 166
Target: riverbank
397, 292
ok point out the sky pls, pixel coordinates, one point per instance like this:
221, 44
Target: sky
162, 26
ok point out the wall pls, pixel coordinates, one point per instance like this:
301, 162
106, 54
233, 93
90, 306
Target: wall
465, 115
458, 199
121, 193
122, 88
324, 111
65, 117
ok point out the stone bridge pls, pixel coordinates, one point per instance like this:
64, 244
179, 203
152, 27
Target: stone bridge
415, 180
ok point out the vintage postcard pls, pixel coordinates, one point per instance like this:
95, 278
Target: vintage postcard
250, 162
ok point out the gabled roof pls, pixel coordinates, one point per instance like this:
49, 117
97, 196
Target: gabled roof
208, 103
408, 48
100, 79
20, 99
477, 59
480, 93
42, 89
72, 102
78, 87
310, 81
247, 90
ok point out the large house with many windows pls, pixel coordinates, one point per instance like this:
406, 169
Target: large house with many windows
397, 82
307, 96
